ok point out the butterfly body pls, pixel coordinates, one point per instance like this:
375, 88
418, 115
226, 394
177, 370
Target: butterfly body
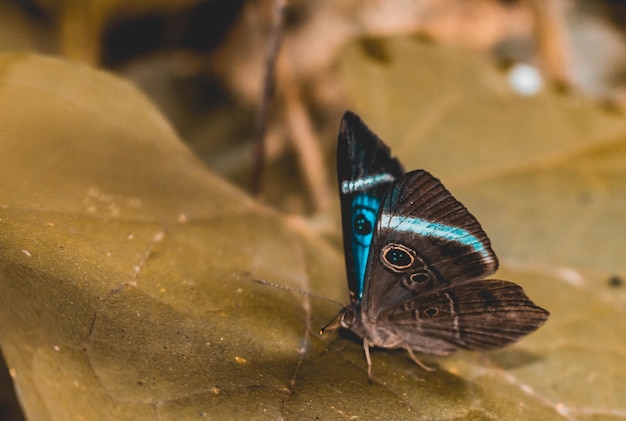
416, 259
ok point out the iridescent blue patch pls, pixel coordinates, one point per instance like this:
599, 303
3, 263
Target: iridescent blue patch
364, 212
432, 229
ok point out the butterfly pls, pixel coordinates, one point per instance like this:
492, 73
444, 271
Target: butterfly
416, 260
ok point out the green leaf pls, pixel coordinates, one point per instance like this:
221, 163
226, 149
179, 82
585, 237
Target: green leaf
127, 268
546, 176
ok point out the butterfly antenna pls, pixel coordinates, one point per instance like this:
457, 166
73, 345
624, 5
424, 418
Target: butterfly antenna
299, 291
333, 324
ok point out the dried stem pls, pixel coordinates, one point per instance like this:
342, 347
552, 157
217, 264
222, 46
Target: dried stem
269, 82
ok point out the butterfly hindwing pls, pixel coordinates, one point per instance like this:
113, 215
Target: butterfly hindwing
478, 315
424, 241
365, 170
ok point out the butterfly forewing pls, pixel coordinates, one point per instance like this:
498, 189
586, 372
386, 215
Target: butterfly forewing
424, 241
365, 170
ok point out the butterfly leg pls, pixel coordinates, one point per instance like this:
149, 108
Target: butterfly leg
418, 362
366, 348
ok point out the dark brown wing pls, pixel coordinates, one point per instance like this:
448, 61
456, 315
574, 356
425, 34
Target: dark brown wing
425, 241
478, 315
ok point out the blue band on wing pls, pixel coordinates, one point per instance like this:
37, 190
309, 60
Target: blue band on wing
432, 229
364, 211
361, 184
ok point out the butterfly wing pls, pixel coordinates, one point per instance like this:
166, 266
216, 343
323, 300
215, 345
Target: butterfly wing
425, 240
424, 283
479, 315
365, 170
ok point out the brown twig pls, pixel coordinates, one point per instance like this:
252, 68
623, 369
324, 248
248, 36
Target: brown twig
305, 142
552, 41
269, 83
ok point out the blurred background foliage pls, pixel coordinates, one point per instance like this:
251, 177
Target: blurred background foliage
202, 63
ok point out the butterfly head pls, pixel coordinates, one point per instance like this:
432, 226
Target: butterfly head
348, 318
